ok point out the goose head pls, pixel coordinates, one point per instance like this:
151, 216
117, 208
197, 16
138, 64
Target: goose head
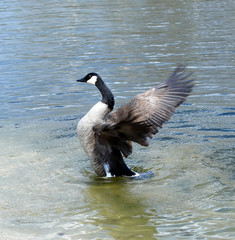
95, 79
91, 78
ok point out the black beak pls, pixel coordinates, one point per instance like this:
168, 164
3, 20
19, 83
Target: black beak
81, 80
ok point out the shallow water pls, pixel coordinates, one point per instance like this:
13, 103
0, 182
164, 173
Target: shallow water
48, 189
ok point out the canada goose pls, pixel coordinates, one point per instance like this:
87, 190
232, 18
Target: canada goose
107, 137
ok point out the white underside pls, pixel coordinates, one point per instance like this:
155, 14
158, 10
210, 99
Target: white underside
136, 174
107, 170
108, 174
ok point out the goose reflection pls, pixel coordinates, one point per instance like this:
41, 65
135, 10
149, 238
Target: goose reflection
119, 212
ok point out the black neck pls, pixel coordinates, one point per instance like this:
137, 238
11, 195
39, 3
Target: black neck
107, 96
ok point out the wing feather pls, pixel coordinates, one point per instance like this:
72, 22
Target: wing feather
145, 113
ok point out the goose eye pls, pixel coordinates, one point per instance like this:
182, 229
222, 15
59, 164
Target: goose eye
88, 76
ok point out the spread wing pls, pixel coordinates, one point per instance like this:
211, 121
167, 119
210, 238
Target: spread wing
141, 117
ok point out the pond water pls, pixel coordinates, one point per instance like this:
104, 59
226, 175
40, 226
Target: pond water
48, 189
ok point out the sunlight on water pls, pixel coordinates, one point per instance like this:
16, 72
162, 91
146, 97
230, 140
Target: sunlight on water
48, 189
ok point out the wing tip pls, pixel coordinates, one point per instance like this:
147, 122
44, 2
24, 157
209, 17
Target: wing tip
179, 75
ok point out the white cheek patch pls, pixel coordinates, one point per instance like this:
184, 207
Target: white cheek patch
92, 80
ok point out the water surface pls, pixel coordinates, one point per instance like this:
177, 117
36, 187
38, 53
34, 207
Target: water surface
48, 189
